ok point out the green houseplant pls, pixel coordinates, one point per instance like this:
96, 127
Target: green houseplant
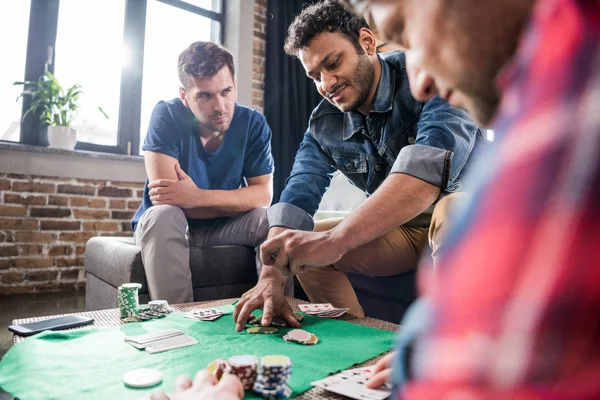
56, 106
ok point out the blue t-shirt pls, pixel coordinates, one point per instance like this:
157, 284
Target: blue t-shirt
244, 153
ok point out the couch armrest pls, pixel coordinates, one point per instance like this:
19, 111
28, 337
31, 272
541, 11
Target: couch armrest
115, 260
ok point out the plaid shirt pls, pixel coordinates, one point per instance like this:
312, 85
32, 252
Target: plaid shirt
514, 310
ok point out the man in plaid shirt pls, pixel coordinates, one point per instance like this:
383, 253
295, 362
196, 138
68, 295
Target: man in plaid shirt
514, 309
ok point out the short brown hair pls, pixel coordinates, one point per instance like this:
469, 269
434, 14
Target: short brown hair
204, 60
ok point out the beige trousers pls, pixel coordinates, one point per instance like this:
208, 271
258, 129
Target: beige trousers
393, 253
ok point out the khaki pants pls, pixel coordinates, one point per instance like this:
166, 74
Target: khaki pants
393, 253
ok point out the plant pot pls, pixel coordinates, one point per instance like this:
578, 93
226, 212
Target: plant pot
62, 137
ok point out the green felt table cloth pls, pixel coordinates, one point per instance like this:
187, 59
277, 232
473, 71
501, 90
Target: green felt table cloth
90, 362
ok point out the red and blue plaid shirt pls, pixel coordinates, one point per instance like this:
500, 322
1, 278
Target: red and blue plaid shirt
515, 304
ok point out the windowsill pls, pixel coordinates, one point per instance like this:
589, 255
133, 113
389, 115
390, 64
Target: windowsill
77, 153
28, 160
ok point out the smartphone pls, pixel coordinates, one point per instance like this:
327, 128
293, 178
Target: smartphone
53, 324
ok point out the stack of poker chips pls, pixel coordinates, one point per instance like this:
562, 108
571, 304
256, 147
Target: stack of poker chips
128, 300
245, 367
160, 306
272, 378
217, 367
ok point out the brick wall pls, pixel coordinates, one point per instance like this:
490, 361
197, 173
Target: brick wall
259, 49
45, 223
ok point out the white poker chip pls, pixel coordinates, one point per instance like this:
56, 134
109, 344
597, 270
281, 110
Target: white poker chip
143, 378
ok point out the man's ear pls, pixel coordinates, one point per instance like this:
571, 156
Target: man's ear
368, 41
183, 95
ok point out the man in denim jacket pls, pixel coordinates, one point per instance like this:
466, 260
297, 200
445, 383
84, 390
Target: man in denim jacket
409, 157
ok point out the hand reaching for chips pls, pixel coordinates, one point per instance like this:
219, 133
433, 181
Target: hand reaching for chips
204, 387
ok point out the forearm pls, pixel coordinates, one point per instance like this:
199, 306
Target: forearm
229, 203
398, 200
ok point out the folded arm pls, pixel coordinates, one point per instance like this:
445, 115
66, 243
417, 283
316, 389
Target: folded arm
170, 185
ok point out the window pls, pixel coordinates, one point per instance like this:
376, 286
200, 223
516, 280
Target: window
178, 29
89, 44
122, 52
14, 19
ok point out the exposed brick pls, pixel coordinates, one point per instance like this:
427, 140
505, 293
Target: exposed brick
62, 250
10, 237
122, 214
69, 262
12, 198
49, 212
11, 277
134, 204
87, 202
69, 274
91, 214
139, 194
26, 263
91, 181
30, 249
126, 226
117, 204
13, 211
17, 176
35, 237
60, 225
77, 237
4, 184
79, 250
34, 187
19, 224
58, 200
42, 276
2, 236
9, 251
10, 290
129, 184
111, 191
5, 263
77, 189
100, 226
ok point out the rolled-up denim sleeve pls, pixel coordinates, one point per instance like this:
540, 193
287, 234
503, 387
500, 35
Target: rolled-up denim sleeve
445, 138
310, 177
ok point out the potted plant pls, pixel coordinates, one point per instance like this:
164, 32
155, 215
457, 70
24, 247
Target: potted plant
57, 108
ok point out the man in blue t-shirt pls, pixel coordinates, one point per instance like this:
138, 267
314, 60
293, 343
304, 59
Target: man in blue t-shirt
210, 173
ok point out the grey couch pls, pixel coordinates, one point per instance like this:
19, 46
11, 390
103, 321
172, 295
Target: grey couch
111, 261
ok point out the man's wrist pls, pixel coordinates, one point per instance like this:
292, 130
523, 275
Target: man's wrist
272, 274
337, 238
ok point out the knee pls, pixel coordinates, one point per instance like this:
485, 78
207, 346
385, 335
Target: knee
441, 213
163, 216
259, 220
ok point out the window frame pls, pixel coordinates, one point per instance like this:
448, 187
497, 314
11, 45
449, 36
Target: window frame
41, 42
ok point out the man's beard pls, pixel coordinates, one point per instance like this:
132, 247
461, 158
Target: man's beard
484, 101
208, 125
364, 75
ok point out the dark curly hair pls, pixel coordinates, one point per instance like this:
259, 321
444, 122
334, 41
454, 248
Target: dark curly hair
203, 60
326, 16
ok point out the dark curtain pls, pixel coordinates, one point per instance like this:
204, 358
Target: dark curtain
289, 95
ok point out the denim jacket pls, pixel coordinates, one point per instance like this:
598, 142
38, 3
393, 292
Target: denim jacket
431, 141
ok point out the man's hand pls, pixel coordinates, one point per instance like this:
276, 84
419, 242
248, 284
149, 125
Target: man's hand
381, 372
182, 193
292, 251
204, 387
268, 296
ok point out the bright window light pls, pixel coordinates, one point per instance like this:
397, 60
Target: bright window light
14, 24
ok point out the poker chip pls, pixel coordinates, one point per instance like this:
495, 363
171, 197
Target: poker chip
273, 375
312, 341
244, 367
278, 321
217, 367
143, 378
299, 316
267, 330
298, 335
160, 306
127, 298
255, 320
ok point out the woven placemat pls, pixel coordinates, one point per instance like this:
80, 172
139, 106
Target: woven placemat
109, 318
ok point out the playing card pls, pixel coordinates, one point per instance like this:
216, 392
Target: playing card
314, 308
204, 314
171, 343
351, 383
152, 337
